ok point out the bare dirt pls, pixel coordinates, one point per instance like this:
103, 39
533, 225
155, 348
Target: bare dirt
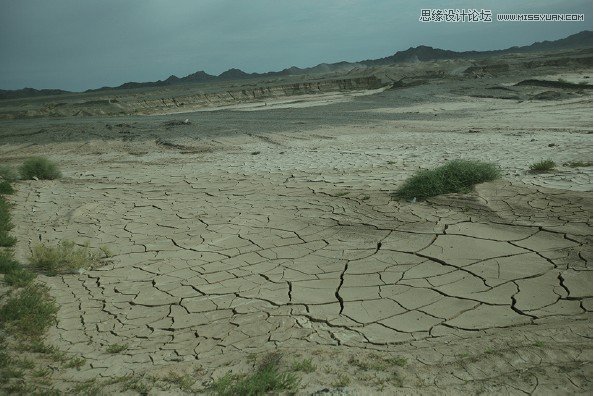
244, 232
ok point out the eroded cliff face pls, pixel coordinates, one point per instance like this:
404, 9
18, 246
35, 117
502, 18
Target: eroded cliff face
180, 99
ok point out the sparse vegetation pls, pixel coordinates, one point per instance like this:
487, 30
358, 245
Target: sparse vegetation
40, 168
30, 311
267, 378
397, 361
116, 348
6, 187
454, 177
14, 273
19, 277
305, 365
5, 225
183, 381
66, 257
7, 173
26, 312
543, 166
341, 381
75, 362
105, 250
255, 152
7, 262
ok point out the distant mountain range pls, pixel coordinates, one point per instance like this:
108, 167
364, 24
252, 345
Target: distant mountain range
421, 53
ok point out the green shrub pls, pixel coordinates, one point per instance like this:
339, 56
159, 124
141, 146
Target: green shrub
19, 277
5, 187
454, 177
14, 273
5, 225
543, 166
39, 167
6, 240
30, 311
64, 258
7, 173
7, 262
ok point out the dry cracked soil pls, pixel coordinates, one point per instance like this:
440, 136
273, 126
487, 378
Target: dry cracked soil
245, 232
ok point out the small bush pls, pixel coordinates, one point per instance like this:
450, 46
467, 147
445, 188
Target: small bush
31, 311
5, 187
7, 173
543, 166
454, 177
39, 167
64, 258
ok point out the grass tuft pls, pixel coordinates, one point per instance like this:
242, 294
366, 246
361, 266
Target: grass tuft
267, 378
66, 257
305, 365
39, 167
543, 166
183, 381
116, 348
454, 177
76, 362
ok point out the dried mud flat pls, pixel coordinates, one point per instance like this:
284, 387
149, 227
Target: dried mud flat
279, 233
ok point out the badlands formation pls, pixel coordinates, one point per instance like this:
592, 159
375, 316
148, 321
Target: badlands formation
257, 216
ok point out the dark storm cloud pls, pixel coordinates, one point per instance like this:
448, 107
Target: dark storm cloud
79, 44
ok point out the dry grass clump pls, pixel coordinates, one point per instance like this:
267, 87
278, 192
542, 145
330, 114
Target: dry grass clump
40, 168
66, 257
543, 166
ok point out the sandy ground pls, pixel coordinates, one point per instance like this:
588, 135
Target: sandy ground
247, 242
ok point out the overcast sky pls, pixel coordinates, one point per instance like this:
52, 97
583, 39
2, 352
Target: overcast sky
81, 44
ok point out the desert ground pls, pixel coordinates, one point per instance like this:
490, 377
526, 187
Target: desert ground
243, 225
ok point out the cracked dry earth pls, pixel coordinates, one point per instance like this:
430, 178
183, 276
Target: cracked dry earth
300, 248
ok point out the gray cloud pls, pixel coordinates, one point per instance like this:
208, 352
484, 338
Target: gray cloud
80, 44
